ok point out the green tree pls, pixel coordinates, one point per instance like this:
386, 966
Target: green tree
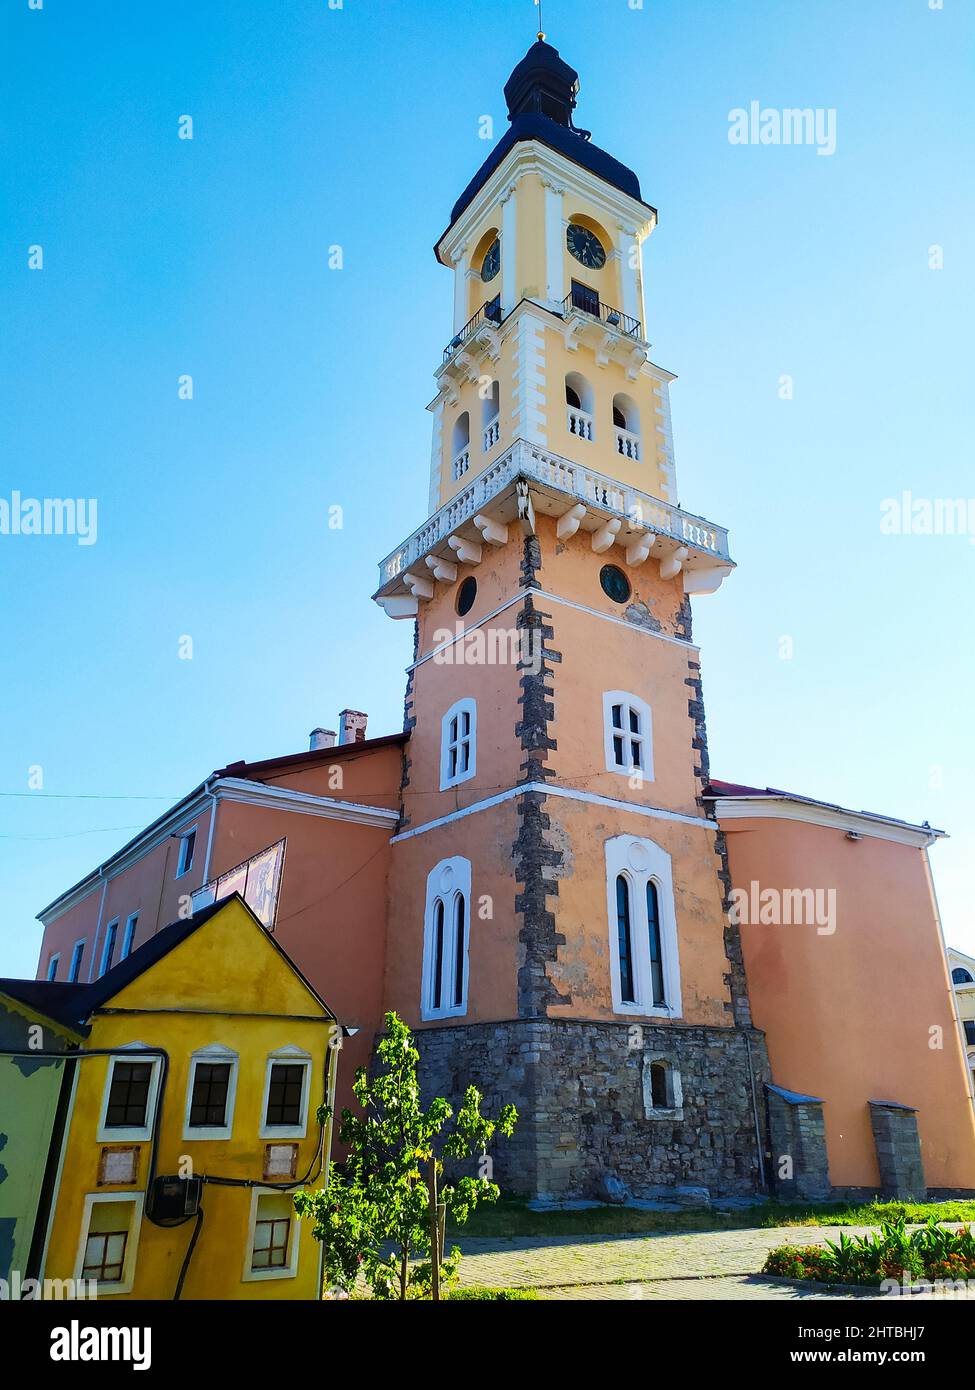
374, 1214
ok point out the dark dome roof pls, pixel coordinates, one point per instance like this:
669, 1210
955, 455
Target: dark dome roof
541, 96
541, 74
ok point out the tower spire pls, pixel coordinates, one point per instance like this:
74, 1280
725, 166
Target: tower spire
541, 22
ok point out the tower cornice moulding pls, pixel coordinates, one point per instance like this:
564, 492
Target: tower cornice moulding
532, 157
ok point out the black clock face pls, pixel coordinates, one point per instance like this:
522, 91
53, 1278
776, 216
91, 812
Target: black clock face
585, 246
492, 261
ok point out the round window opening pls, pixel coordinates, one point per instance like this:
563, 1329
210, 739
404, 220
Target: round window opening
466, 595
614, 583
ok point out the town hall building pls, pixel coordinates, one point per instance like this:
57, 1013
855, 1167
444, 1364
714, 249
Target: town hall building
674, 978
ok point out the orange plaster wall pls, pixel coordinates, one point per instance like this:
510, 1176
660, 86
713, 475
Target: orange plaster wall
848, 1016
583, 966
331, 911
148, 887
484, 838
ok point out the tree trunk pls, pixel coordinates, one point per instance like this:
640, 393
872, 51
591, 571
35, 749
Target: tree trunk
434, 1234
403, 1268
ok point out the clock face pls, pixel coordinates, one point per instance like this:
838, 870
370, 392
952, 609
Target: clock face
492, 261
585, 246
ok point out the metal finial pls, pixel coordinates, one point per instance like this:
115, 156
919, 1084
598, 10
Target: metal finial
541, 30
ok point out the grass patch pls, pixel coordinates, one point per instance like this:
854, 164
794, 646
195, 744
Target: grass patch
511, 1217
478, 1293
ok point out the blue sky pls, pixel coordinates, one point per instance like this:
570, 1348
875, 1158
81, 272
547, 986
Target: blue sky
359, 126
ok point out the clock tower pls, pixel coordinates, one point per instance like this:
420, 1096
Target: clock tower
557, 926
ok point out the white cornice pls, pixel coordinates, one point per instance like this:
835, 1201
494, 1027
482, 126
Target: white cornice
728, 808
273, 798
568, 793
532, 157
236, 789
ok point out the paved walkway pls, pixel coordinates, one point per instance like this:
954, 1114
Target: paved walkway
691, 1265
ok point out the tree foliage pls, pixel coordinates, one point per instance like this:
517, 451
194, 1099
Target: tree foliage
373, 1215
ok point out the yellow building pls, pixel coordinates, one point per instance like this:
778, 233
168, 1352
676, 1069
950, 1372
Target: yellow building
193, 1120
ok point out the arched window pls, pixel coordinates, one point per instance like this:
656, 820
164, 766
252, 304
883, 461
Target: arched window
445, 940
626, 421
461, 448
579, 403
491, 416
624, 939
960, 976
662, 1090
628, 735
657, 992
458, 744
644, 965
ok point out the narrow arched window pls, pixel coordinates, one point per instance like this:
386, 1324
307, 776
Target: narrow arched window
446, 940
644, 953
656, 956
579, 406
438, 945
461, 445
460, 937
625, 938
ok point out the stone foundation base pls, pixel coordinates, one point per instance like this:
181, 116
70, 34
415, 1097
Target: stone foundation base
654, 1108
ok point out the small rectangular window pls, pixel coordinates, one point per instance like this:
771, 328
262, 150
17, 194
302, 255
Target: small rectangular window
128, 1097
273, 1252
187, 845
52, 967
284, 1094
970, 1031
129, 936
208, 1107
77, 955
108, 952
105, 1256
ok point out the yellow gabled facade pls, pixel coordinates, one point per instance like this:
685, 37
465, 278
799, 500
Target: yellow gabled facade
234, 1052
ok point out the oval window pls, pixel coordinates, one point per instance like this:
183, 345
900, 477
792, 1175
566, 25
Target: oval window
614, 583
466, 595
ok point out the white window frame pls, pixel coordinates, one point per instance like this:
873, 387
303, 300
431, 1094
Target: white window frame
286, 1054
641, 861
184, 837
213, 1053
643, 711
138, 1133
675, 1089
53, 962
136, 1200
103, 963
446, 882
74, 975
465, 706
128, 936
290, 1270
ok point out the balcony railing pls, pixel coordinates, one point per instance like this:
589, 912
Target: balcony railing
577, 483
579, 423
628, 444
587, 302
492, 433
462, 462
488, 313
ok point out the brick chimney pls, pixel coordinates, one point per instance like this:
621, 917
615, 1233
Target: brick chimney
321, 738
352, 726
